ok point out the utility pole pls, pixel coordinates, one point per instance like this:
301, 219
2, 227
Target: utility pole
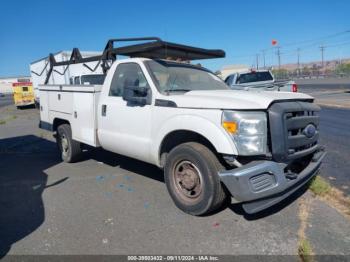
257, 61
279, 57
298, 54
322, 47
263, 53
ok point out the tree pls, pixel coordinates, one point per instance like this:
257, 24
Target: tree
280, 73
343, 69
306, 71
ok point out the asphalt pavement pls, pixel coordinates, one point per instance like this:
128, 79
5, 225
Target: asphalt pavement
6, 100
335, 136
329, 93
109, 204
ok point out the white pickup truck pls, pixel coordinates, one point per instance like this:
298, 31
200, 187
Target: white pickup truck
259, 80
212, 142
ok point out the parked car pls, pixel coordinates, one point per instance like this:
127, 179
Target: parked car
259, 80
212, 142
2, 95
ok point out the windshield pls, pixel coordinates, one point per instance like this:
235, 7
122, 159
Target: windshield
176, 77
254, 77
92, 79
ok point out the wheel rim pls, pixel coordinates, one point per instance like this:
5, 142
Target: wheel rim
64, 144
187, 180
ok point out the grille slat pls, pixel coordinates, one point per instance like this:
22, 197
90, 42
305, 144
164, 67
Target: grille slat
301, 140
301, 122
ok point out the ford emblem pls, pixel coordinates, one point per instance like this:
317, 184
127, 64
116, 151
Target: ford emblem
309, 131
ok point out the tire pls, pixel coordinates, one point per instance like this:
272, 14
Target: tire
69, 148
191, 176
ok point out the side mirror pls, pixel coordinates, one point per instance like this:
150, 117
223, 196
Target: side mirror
136, 94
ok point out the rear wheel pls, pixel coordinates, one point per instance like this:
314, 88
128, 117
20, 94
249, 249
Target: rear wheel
191, 176
70, 149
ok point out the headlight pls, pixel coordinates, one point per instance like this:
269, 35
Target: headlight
248, 131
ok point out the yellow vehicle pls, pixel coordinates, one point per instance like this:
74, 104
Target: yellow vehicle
23, 94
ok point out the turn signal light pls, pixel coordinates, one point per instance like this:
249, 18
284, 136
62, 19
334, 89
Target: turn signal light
230, 127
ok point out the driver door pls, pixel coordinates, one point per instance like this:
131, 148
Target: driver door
125, 128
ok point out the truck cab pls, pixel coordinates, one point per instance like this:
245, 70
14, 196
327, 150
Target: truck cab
213, 143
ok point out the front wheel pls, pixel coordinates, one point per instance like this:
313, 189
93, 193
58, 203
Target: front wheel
70, 149
191, 177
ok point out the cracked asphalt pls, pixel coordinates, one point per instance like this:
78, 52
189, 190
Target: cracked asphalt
109, 204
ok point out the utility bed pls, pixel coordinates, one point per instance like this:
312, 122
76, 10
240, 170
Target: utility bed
76, 103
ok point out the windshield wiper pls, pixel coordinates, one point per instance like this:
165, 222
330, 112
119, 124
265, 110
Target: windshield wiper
176, 90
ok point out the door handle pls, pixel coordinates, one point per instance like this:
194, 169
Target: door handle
104, 110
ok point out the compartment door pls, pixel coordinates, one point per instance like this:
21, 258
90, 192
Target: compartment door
44, 106
84, 118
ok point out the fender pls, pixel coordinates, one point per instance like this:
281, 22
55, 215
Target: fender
216, 135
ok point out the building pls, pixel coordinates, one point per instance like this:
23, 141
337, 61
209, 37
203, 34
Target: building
6, 83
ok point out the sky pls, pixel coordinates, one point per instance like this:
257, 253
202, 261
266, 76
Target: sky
30, 30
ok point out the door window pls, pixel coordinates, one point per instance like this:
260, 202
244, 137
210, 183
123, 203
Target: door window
128, 74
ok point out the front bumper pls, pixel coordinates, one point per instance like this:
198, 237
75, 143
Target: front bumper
25, 103
261, 184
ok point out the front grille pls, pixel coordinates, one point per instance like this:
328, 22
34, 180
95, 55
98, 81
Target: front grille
293, 130
296, 122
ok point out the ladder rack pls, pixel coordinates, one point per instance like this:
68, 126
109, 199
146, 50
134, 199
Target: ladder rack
154, 48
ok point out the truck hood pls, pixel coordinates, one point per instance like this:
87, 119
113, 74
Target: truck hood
233, 99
